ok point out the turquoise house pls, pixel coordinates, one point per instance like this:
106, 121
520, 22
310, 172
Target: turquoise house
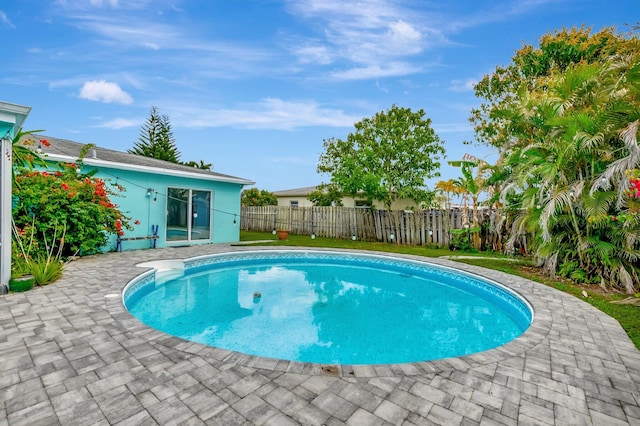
171, 204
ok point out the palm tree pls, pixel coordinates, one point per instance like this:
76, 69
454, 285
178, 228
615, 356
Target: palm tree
573, 141
448, 188
471, 187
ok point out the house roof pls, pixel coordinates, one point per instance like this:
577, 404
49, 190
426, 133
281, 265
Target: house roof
295, 192
68, 151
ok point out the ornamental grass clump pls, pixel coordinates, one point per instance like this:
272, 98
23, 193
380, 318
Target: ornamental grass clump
30, 257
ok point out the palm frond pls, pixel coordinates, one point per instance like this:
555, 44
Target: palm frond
626, 279
615, 172
598, 203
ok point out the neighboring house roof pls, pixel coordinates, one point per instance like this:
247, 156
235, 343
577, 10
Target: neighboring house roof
296, 192
68, 151
300, 192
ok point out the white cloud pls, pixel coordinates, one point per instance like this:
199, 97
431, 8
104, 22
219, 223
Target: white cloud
370, 34
4, 19
269, 113
120, 123
463, 85
104, 91
404, 37
376, 71
71, 5
314, 55
148, 34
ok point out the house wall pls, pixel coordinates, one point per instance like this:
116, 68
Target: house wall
152, 209
302, 200
5, 127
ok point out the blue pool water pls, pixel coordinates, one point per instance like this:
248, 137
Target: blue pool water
328, 307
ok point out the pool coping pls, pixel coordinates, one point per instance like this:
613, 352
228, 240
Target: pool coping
536, 333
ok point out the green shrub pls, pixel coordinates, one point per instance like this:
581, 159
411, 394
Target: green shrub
78, 203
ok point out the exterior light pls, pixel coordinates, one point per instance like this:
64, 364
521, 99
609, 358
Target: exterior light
274, 231
313, 236
353, 237
391, 236
430, 232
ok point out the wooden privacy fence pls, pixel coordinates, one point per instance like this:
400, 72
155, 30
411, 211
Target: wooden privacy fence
421, 227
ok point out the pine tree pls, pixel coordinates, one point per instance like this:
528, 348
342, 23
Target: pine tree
156, 139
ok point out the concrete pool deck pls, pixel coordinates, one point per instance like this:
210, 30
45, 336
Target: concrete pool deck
71, 354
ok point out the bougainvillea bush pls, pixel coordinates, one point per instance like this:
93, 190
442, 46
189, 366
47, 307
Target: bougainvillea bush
67, 201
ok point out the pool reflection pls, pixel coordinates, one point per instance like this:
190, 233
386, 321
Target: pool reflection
329, 313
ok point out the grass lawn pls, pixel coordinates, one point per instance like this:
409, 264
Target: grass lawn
627, 315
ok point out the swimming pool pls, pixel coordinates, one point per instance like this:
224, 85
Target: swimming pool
329, 307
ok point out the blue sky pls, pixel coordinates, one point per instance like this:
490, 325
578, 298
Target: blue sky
255, 86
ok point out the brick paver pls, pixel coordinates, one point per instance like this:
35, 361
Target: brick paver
71, 354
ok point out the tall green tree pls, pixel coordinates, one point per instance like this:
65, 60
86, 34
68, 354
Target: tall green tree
471, 186
156, 139
528, 71
257, 197
326, 195
388, 157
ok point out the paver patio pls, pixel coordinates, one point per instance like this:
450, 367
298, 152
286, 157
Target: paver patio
70, 354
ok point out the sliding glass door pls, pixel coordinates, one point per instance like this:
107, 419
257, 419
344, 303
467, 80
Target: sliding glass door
201, 214
188, 214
